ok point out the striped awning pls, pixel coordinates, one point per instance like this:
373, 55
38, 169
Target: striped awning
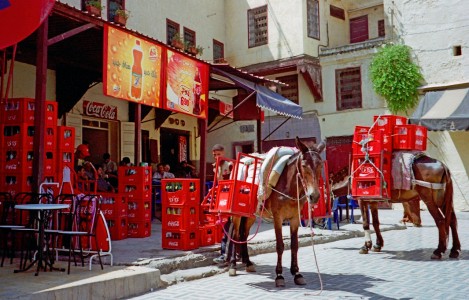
443, 110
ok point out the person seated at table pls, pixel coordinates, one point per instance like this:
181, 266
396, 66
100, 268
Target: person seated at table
103, 184
125, 162
160, 173
109, 169
167, 169
186, 170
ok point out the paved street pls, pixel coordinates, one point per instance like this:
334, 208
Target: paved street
402, 271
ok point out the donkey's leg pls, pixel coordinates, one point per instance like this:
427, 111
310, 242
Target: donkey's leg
366, 226
439, 218
294, 269
456, 249
375, 219
279, 280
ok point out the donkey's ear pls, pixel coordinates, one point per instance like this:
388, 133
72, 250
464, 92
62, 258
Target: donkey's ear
321, 146
299, 144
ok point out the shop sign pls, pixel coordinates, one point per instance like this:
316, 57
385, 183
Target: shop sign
225, 108
186, 85
99, 110
132, 67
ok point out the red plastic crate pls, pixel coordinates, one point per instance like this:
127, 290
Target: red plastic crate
208, 235
367, 141
118, 228
138, 229
180, 240
387, 123
180, 191
135, 190
139, 210
180, 217
18, 136
21, 110
133, 175
113, 205
18, 161
66, 138
235, 197
366, 169
405, 137
16, 183
371, 187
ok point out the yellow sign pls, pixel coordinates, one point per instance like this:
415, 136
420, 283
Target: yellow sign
132, 67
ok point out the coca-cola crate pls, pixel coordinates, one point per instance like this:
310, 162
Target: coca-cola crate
180, 217
15, 183
371, 187
118, 228
320, 209
363, 168
18, 136
21, 110
19, 161
236, 197
66, 138
366, 141
132, 175
387, 123
180, 191
65, 158
213, 219
208, 235
180, 240
139, 229
139, 210
135, 190
410, 137
113, 205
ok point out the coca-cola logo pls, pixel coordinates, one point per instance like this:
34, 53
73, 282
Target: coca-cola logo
173, 199
174, 244
100, 110
173, 223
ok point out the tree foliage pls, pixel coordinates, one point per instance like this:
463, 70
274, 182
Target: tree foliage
396, 77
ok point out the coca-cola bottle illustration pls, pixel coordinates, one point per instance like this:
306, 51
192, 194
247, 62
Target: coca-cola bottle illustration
197, 91
137, 72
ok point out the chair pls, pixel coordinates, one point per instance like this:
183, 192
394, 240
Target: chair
341, 203
8, 222
83, 231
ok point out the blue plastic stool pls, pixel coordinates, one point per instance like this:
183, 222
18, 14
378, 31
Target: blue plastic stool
338, 205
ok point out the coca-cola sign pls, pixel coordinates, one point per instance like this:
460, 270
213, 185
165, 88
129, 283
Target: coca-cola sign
99, 110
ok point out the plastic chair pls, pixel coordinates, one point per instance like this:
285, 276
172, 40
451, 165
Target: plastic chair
339, 204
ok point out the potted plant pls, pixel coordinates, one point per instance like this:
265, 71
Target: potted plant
176, 41
94, 7
121, 16
200, 50
190, 48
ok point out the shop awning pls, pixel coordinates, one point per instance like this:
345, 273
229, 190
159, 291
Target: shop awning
265, 98
443, 110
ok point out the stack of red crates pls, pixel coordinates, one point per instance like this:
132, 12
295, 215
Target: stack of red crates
135, 186
372, 153
114, 208
180, 213
65, 149
17, 154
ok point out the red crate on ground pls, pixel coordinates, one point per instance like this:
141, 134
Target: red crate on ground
66, 138
135, 190
132, 175
180, 240
180, 217
15, 160
113, 205
139, 210
139, 229
180, 191
208, 235
18, 136
118, 228
405, 137
16, 183
236, 197
365, 141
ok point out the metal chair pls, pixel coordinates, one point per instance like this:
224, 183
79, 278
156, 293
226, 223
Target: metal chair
8, 222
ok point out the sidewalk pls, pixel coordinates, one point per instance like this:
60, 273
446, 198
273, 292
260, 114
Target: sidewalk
141, 265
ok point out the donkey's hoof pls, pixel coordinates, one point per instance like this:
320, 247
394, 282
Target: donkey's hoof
435, 256
299, 280
279, 281
251, 268
368, 244
363, 250
376, 248
454, 254
232, 272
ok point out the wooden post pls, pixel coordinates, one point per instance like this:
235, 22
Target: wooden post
202, 163
138, 133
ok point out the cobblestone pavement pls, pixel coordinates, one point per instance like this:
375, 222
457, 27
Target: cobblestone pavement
403, 270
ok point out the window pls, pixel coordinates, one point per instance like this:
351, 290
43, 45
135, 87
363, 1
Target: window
348, 88
359, 29
189, 36
114, 5
457, 51
172, 28
337, 12
381, 30
290, 91
312, 8
257, 26
218, 51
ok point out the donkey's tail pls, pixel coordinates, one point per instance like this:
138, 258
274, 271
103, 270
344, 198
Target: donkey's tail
448, 199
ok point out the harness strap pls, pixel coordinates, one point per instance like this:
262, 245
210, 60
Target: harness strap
429, 185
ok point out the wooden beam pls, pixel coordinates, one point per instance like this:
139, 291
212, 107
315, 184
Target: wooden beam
69, 33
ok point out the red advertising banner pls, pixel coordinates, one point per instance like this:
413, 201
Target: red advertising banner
99, 110
186, 85
225, 108
182, 148
132, 67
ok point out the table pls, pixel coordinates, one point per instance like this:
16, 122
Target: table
43, 210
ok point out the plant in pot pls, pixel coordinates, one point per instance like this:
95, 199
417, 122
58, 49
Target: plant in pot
176, 41
200, 50
121, 16
190, 48
94, 7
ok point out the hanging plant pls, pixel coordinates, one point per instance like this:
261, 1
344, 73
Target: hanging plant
396, 77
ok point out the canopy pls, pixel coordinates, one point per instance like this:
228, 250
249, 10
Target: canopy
265, 98
443, 110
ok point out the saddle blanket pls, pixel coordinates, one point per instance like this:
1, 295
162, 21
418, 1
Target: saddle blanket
402, 173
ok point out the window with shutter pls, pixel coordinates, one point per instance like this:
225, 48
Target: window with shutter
348, 88
189, 36
337, 12
218, 51
171, 29
359, 29
381, 30
290, 91
312, 7
257, 26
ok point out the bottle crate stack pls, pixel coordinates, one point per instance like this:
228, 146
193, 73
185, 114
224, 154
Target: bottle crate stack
372, 153
114, 208
135, 186
65, 150
180, 213
16, 149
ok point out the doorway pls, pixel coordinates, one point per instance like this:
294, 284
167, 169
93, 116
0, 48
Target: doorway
174, 147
